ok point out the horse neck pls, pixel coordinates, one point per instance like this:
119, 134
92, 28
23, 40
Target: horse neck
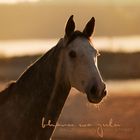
60, 91
49, 93
43, 86
56, 101
40, 76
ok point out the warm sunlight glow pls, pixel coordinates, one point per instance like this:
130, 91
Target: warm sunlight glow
16, 1
29, 47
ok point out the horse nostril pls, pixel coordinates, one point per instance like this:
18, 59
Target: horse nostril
104, 93
104, 86
93, 89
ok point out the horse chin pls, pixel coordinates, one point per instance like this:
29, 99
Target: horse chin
93, 99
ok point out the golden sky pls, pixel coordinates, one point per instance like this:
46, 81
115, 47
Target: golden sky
17, 1
37, 22
120, 2
47, 20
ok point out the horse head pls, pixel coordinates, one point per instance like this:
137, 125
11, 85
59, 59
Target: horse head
81, 61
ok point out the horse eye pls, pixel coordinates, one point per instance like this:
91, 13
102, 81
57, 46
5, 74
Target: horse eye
72, 54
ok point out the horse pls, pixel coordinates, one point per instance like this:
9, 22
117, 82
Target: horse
41, 91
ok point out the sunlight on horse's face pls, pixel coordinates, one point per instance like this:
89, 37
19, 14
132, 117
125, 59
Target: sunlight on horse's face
82, 70
81, 61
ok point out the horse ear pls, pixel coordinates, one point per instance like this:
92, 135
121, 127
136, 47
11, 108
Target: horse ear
70, 26
88, 30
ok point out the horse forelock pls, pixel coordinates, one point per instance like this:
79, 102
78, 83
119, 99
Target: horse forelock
75, 35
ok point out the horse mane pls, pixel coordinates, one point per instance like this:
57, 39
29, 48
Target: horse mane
40, 63
5, 93
33, 73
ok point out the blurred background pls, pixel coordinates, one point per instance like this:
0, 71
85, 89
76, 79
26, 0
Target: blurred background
29, 28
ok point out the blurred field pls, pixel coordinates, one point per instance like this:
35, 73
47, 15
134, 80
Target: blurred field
111, 65
119, 108
123, 111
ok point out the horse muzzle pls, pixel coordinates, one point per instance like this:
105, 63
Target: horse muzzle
95, 95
